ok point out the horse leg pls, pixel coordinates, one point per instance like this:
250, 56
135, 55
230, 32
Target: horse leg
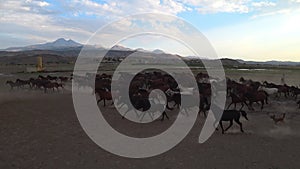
204, 112
231, 122
162, 117
99, 100
229, 105
250, 107
164, 114
285, 94
242, 106
239, 123
104, 102
262, 104
222, 127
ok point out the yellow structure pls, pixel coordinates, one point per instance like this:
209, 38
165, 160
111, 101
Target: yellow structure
39, 66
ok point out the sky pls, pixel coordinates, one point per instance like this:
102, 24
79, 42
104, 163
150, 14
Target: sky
257, 30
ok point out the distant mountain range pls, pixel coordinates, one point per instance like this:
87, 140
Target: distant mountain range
58, 44
69, 48
273, 62
63, 44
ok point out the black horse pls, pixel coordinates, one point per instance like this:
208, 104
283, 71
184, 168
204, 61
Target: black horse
230, 115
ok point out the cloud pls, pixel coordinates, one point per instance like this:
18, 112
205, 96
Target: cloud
276, 12
36, 21
228, 6
119, 8
224, 6
76, 19
263, 4
281, 7
32, 20
275, 37
297, 1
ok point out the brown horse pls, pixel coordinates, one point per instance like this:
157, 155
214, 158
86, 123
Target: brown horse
282, 89
58, 85
104, 94
295, 92
237, 99
12, 84
23, 83
50, 85
257, 96
204, 106
63, 79
52, 78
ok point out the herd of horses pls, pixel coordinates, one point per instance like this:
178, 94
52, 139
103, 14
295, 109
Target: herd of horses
243, 92
44, 83
248, 91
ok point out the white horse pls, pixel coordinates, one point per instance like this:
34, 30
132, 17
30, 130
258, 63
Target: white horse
269, 91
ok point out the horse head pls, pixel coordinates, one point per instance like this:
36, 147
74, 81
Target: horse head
244, 114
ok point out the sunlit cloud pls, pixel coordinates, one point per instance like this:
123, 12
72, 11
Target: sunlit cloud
266, 23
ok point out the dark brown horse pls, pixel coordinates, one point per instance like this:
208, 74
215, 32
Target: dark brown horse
257, 96
282, 89
52, 78
104, 94
23, 83
237, 99
63, 79
12, 84
50, 85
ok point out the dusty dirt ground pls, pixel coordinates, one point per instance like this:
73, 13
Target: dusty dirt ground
41, 130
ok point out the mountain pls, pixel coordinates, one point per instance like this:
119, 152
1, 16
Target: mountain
273, 62
230, 62
120, 48
58, 44
158, 51
142, 50
61, 48
195, 57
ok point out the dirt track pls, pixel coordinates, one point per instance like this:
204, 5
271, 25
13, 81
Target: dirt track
42, 131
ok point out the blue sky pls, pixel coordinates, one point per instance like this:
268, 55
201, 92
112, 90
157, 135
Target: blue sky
242, 29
